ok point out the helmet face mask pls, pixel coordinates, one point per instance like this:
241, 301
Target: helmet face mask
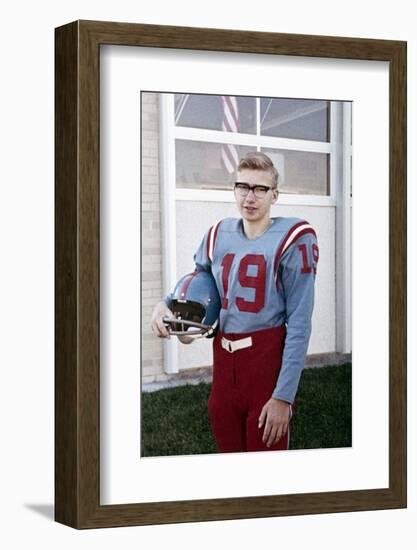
195, 305
182, 327
191, 315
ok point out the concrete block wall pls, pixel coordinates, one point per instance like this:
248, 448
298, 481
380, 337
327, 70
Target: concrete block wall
152, 347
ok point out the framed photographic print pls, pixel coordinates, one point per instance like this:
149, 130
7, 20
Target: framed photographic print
152, 124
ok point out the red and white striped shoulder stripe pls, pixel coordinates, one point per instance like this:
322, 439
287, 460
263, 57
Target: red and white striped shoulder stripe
297, 230
211, 240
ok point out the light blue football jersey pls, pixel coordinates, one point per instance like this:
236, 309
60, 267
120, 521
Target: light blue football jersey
266, 282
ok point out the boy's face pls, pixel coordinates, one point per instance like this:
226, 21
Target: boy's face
251, 207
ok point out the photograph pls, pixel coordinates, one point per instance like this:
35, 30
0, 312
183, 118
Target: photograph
246, 273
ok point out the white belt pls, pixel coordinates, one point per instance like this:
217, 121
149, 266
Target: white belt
235, 345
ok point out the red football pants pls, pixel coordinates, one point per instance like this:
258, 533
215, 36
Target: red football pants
243, 381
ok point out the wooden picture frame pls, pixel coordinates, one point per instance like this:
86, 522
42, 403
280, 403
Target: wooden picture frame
77, 365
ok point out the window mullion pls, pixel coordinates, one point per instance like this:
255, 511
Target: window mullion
216, 136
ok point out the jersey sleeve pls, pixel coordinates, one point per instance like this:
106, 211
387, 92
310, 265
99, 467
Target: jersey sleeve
168, 300
201, 258
296, 275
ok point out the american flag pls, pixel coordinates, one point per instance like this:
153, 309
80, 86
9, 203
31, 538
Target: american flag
230, 123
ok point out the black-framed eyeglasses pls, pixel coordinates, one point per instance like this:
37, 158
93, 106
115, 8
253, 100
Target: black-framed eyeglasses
260, 191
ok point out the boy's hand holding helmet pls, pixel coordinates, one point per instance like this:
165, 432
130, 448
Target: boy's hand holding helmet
195, 308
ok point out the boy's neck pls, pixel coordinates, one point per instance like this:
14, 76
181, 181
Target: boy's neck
255, 229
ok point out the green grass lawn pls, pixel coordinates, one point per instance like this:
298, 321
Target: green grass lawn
175, 420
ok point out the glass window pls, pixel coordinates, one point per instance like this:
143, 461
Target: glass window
300, 172
295, 118
216, 112
207, 165
201, 165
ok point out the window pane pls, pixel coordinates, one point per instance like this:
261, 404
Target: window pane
206, 165
300, 172
210, 111
295, 118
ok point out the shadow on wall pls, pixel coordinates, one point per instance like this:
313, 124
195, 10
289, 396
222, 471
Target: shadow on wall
46, 510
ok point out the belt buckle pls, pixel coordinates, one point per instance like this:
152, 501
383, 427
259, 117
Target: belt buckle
227, 345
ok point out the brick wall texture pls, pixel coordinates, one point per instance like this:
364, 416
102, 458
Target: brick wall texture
152, 348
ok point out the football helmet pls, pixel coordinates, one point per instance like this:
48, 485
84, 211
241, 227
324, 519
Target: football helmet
195, 305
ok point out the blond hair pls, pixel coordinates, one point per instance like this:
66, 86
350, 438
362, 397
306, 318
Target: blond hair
256, 160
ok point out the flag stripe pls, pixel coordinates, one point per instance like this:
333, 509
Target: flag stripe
230, 123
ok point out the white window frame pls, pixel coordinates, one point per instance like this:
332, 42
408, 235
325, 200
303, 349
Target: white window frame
257, 141
343, 166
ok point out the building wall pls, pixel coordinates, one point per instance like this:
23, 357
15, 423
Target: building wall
152, 347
